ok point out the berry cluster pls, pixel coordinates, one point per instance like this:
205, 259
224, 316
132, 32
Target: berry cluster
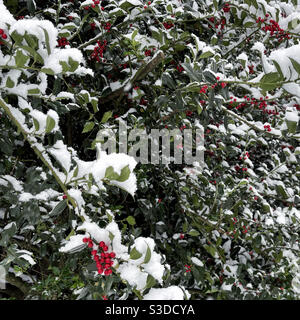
168, 25
103, 261
251, 69
203, 89
238, 168
273, 27
107, 26
3, 35
179, 68
217, 23
261, 104
226, 7
93, 25
223, 84
143, 102
148, 53
267, 127
297, 106
98, 50
213, 86
290, 147
96, 2
187, 268
246, 156
62, 42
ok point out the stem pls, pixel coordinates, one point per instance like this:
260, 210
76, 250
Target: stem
140, 74
38, 152
249, 123
58, 12
239, 43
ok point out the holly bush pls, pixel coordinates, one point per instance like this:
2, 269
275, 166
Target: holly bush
79, 223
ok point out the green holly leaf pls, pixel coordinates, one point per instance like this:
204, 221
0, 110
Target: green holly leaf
88, 127
134, 254
50, 124
131, 220
9, 83
148, 255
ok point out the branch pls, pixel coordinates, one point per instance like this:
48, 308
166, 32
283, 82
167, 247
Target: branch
249, 123
38, 152
17, 282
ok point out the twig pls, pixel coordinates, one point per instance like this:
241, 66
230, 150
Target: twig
140, 74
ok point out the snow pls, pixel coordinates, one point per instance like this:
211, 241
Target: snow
36, 28
14, 182
292, 115
28, 258
74, 243
41, 118
98, 168
154, 266
66, 95
53, 114
6, 16
120, 250
62, 55
133, 2
133, 275
170, 293
197, 262
77, 196
61, 154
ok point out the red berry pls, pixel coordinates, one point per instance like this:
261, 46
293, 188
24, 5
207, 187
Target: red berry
85, 240
105, 248
107, 272
100, 271
107, 260
102, 255
1, 31
94, 252
107, 266
90, 245
101, 244
112, 255
65, 196
4, 36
